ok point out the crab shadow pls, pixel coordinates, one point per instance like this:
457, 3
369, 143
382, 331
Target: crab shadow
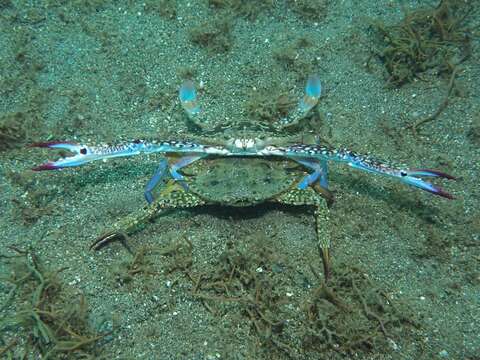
404, 199
237, 213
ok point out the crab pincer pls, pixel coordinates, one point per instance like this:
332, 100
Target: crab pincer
82, 155
410, 177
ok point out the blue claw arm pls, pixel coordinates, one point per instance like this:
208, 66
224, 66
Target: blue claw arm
315, 152
84, 154
406, 176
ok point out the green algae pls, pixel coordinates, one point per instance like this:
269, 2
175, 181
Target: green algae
312, 10
215, 35
249, 9
250, 282
164, 8
267, 105
293, 57
41, 317
428, 39
351, 315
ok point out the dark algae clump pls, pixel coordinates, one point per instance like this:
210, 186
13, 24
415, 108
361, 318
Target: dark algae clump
249, 280
309, 9
250, 283
429, 39
248, 9
351, 315
268, 104
13, 131
214, 36
41, 317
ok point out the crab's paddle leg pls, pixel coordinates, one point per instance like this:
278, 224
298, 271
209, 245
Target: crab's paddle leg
188, 98
313, 91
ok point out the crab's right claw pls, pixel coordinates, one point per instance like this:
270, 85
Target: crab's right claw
410, 177
82, 155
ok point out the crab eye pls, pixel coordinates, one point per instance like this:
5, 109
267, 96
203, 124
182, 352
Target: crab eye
403, 173
83, 151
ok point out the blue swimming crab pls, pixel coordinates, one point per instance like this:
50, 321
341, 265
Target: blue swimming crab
241, 171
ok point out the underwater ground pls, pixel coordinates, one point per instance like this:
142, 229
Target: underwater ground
400, 81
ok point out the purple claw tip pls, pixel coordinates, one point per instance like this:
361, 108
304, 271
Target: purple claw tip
438, 173
43, 144
440, 192
48, 144
46, 166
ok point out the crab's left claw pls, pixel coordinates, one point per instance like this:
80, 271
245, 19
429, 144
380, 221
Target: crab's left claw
82, 155
410, 177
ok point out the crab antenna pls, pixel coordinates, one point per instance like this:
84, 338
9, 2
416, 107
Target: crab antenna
188, 97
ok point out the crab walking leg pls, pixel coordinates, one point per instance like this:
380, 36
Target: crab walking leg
160, 174
163, 169
322, 225
322, 218
320, 171
171, 198
183, 162
87, 153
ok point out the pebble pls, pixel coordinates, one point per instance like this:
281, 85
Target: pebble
443, 354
